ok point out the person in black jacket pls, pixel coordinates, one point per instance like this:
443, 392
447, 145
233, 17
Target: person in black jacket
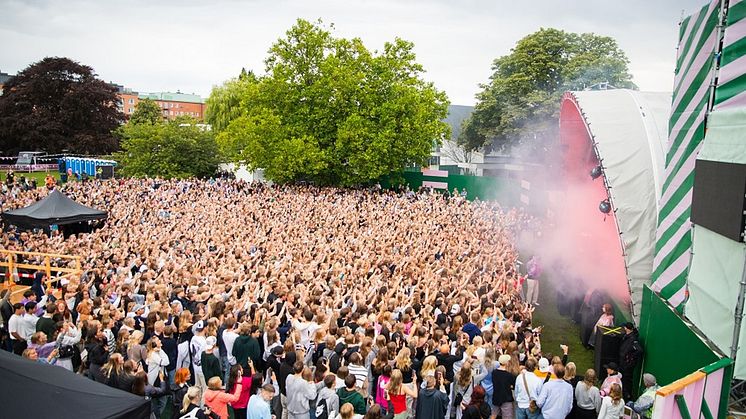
432, 402
502, 385
630, 354
98, 354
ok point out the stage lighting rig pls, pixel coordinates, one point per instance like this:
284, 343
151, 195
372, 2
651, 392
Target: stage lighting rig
605, 206
596, 172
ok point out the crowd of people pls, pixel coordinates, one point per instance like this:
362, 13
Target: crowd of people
221, 298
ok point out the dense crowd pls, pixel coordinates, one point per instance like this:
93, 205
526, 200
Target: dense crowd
226, 299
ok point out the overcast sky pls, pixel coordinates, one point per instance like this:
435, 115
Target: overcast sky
191, 45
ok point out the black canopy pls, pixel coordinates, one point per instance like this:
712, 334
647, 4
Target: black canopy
31, 389
57, 208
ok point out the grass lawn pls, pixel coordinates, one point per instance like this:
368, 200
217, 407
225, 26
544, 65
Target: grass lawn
559, 329
39, 176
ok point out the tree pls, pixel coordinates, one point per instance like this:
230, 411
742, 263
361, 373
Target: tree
520, 104
146, 112
330, 111
173, 149
58, 104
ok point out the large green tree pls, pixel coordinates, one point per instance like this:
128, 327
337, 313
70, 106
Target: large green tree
329, 110
169, 149
146, 111
520, 104
58, 104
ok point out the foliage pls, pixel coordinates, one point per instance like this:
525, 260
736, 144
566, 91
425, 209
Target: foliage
146, 112
58, 104
520, 104
329, 110
172, 149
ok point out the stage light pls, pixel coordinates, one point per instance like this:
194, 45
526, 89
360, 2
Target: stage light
596, 172
605, 206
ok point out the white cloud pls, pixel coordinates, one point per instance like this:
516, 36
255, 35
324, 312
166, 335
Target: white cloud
192, 45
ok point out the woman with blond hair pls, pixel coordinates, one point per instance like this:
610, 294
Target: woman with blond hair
216, 397
612, 406
113, 370
135, 350
398, 393
191, 407
587, 397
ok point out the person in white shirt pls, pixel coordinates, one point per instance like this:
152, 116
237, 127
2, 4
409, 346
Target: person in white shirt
229, 338
14, 328
527, 388
306, 328
196, 347
28, 322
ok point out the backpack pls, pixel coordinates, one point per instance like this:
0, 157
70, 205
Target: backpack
322, 409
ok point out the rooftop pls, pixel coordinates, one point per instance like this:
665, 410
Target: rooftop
4, 77
174, 97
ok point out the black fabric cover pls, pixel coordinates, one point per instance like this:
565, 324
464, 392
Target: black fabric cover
32, 389
57, 208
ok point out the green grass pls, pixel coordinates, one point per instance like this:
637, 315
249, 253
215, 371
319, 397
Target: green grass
559, 329
39, 176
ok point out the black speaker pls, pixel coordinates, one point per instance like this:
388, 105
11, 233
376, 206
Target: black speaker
608, 341
719, 197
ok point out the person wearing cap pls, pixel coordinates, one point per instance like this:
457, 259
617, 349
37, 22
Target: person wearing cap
210, 362
527, 387
544, 371
196, 347
644, 404
556, 396
613, 376
630, 355
502, 389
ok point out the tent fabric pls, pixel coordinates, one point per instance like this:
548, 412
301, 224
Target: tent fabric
54, 392
698, 43
57, 208
718, 262
629, 129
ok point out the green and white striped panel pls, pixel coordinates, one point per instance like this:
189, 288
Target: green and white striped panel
731, 88
694, 62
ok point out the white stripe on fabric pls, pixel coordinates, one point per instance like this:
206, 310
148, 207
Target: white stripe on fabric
671, 244
685, 67
691, 107
668, 220
684, 170
701, 60
732, 70
672, 271
734, 102
734, 33
679, 297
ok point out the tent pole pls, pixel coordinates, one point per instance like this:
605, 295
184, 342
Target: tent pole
739, 313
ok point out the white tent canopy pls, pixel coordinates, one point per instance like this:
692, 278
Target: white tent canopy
629, 130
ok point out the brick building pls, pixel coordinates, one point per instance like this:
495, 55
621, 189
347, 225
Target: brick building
172, 104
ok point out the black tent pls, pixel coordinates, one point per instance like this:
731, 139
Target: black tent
56, 209
32, 389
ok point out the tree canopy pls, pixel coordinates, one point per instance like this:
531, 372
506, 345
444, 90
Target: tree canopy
520, 104
330, 111
146, 111
58, 104
153, 147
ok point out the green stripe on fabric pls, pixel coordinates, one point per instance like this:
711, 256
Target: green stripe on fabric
733, 52
688, 125
679, 282
680, 220
730, 89
709, 28
736, 13
685, 155
688, 43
